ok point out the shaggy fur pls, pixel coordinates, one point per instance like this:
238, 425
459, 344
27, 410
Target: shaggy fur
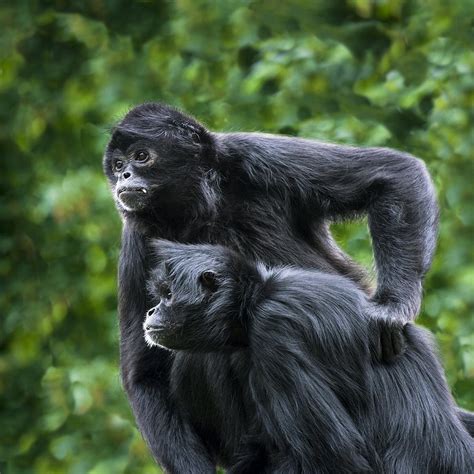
270, 198
283, 357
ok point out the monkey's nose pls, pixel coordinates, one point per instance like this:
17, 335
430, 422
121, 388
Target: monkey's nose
151, 311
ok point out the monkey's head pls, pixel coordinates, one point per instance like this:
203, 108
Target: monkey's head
200, 291
155, 161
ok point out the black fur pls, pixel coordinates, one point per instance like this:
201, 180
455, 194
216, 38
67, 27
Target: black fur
300, 370
270, 198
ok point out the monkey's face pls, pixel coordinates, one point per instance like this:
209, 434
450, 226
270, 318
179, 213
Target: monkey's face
162, 327
149, 175
154, 167
133, 173
180, 320
197, 309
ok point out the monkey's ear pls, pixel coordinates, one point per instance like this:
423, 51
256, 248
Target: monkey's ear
209, 281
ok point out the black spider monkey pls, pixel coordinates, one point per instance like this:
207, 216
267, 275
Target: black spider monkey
290, 350
270, 198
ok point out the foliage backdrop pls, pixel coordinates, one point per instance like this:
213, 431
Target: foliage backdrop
388, 72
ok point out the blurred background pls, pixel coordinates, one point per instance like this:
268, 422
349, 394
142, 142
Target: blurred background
396, 73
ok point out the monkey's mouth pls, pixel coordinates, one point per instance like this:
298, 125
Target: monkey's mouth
164, 336
154, 336
159, 337
133, 199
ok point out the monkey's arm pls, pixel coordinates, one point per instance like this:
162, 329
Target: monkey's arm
335, 182
467, 419
145, 371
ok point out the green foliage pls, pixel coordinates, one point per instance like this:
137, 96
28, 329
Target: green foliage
395, 73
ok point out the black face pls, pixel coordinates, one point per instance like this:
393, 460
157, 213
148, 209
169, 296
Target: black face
133, 173
161, 328
181, 320
196, 293
156, 160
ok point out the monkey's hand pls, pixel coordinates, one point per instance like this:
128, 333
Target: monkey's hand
387, 335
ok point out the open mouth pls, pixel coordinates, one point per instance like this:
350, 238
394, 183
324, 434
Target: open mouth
133, 198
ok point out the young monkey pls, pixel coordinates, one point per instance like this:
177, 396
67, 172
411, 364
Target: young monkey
272, 368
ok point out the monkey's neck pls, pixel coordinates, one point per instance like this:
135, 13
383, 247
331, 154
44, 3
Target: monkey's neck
175, 226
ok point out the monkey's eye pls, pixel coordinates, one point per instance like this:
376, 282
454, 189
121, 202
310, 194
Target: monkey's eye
142, 156
118, 165
165, 292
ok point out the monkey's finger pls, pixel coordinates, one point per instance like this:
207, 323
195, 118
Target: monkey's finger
386, 342
375, 339
398, 341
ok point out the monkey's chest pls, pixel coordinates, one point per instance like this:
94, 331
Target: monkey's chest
209, 390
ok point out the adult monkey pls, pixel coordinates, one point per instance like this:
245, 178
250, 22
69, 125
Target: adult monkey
270, 198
